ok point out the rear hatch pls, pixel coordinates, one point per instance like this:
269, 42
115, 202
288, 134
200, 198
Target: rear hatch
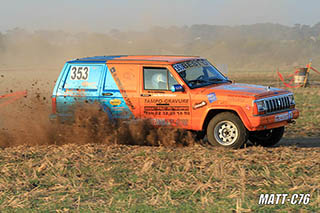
77, 84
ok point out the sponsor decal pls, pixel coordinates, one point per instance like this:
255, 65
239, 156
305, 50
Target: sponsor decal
179, 67
150, 91
212, 97
166, 122
166, 108
115, 102
122, 90
128, 75
163, 95
75, 92
175, 88
199, 105
165, 113
155, 113
87, 84
167, 101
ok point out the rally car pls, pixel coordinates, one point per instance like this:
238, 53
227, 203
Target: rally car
182, 91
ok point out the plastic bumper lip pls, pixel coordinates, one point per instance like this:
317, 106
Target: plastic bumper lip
269, 121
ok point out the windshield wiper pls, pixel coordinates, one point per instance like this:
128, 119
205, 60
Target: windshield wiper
216, 79
198, 81
219, 79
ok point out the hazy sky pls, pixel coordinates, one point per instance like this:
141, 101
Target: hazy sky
103, 15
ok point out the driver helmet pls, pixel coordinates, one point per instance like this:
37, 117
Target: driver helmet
157, 80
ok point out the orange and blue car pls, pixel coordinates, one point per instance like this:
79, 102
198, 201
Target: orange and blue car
182, 91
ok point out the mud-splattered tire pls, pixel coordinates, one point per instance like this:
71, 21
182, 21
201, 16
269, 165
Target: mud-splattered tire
227, 130
267, 137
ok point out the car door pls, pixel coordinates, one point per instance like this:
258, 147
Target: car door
158, 103
120, 91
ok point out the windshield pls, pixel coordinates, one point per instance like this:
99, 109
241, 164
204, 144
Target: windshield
198, 73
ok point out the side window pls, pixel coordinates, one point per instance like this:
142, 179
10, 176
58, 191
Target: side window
172, 80
83, 77
155, 78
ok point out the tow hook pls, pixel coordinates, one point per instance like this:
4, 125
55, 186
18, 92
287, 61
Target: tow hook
292, 121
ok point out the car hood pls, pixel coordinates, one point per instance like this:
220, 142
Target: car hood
237, 89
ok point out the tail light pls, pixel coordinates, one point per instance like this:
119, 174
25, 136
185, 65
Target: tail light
54, 105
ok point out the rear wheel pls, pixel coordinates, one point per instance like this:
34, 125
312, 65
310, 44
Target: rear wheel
227, 130
267, 137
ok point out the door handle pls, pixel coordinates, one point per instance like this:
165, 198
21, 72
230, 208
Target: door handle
145, 95
107, 94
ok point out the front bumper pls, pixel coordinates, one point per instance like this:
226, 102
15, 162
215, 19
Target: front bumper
273, 120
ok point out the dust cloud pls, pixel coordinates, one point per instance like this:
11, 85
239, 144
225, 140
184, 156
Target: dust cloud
32, 61
27, 123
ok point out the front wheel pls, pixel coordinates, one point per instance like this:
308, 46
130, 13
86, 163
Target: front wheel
227, 130
267, 137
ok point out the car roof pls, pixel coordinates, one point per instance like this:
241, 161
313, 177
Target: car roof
163, 59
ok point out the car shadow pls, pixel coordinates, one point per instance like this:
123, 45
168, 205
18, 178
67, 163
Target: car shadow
303, 142
300, 142
307, 142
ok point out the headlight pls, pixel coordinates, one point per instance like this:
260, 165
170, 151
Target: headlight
291, 100
261, 106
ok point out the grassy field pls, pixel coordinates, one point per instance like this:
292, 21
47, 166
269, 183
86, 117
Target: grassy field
144, 179
308, 102
195, 178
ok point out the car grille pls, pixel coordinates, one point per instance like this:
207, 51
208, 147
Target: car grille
277, 103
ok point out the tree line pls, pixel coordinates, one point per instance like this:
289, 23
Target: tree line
251, 47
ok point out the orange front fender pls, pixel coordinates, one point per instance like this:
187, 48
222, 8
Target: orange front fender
236, 109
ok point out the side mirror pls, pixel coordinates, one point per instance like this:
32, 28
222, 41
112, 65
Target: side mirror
177, 88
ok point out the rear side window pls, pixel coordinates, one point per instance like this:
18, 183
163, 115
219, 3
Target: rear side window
83, 77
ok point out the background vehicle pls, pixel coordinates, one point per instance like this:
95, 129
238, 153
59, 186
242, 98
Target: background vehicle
183, 91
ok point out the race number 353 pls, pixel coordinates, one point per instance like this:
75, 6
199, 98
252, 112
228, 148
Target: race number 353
79, 73
275, 199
